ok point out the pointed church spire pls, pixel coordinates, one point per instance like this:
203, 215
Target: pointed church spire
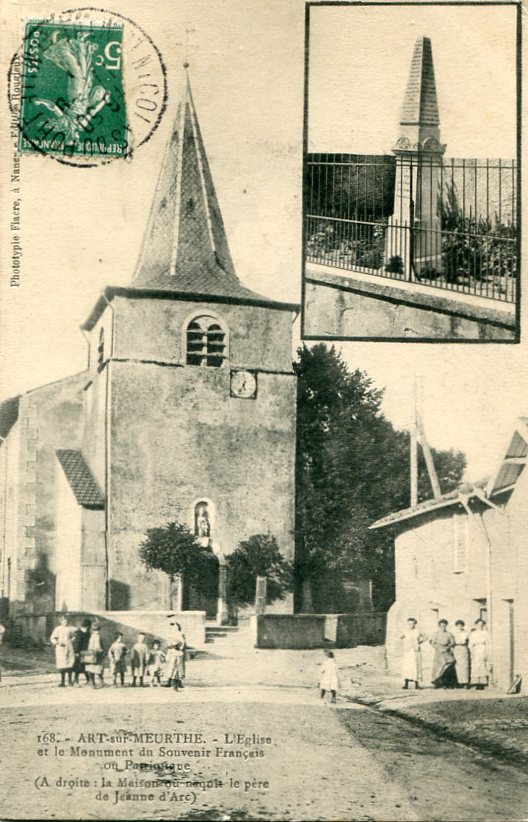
185, 246
420, 120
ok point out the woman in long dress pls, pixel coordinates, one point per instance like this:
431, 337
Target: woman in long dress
461, 653
62, 639
443, 642
479, 650
411, 654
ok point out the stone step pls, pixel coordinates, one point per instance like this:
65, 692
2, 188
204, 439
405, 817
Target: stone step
215, 632
225, 629
229, 641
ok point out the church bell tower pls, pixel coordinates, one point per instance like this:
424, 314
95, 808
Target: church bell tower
190, 411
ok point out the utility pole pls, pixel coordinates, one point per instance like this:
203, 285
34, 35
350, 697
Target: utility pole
414, 452
418, 435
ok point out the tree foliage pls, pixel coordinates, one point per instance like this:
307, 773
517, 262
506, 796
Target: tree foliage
173, 549
257, 556
352, 468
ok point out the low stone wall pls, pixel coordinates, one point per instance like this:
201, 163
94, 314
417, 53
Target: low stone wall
360, 629
318, 630
354, 304
293, 631
30, 629
36, 629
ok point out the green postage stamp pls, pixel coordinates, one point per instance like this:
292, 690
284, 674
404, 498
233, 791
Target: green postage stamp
73, 101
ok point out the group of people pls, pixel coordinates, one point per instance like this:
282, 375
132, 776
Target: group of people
460, 660
80, 651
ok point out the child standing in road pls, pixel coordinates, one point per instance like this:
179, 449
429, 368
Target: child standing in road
157, 658
329, 678
139, 660
117, 656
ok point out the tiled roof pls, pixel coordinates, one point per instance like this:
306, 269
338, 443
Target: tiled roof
80, 478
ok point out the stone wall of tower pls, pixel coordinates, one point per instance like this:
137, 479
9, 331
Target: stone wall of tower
177, 436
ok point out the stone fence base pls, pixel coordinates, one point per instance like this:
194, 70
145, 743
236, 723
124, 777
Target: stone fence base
353, 304
301, 631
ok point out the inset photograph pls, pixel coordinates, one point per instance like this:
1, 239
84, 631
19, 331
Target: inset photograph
411, 184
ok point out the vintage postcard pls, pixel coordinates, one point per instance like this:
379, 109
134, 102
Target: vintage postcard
249, 570
411, 172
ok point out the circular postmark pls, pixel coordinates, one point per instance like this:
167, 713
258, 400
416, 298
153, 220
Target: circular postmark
88, 86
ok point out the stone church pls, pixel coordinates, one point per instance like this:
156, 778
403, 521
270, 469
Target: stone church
186, 412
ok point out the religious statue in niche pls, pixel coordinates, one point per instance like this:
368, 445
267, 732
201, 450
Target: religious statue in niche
202, 527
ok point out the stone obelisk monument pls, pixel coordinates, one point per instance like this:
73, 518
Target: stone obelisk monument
413, 239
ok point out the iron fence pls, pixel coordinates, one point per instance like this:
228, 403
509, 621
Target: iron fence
446, 223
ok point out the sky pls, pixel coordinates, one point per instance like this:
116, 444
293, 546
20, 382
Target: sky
82, 228
356, 110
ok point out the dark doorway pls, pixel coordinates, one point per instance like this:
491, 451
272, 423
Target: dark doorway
203, 597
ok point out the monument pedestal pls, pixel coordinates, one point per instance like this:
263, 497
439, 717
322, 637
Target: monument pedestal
414, 233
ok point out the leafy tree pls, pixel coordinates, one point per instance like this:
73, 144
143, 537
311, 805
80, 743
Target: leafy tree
173, 549
257, 556
352, 468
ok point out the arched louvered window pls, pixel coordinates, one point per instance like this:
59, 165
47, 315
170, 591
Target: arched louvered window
206, 342
100, 348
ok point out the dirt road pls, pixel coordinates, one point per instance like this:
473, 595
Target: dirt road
226, 754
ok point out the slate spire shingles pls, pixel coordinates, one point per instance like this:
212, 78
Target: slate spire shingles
185, 247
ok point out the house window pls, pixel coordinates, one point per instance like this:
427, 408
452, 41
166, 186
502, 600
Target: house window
100, 349
482, 608
460, 540
206, 342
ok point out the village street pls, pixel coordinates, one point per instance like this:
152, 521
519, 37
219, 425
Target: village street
298, 759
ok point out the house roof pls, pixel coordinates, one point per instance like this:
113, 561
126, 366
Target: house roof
510, 468
80, 478
445, 501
